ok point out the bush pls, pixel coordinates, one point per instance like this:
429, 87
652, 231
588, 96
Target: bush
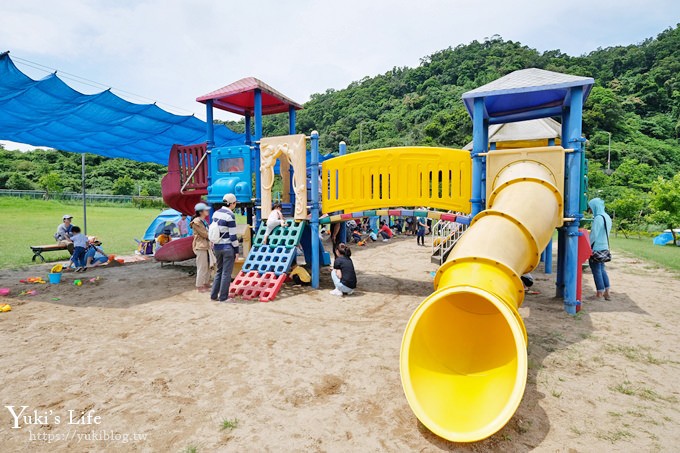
144, 202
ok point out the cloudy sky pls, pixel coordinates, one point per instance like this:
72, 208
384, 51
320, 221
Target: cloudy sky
172, 51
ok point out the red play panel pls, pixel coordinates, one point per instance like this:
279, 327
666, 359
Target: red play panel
251, 286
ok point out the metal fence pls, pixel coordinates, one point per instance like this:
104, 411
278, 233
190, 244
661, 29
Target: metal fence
90, 197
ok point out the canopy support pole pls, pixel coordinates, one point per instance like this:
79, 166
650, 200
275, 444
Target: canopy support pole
257, 94
82, 169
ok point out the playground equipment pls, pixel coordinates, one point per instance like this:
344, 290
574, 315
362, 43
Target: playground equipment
468, 393
463, 358
445, 235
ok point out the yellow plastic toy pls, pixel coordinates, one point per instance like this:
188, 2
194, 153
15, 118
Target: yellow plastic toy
56, 268
5, 308
463, 356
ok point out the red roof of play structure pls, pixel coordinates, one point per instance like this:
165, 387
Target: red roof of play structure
239, 97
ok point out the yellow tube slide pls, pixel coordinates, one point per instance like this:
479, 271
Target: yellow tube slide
463, 357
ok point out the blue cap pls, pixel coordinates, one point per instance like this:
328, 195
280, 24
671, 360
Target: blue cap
201, 207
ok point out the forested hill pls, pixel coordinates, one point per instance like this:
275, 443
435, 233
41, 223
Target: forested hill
636, 99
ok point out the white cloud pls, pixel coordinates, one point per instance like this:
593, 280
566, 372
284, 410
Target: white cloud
174, 51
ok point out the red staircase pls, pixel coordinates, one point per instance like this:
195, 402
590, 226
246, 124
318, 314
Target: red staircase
182, 190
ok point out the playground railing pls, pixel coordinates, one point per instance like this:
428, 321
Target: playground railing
445, 234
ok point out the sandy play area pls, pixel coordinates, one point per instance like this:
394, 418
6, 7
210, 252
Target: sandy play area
163, 367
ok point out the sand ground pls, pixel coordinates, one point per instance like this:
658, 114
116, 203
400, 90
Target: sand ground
310, 372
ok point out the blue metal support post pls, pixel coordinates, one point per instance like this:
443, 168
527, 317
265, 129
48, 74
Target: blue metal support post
572, 198
480, 138
314, 225
258, 137
291, 120
249, 139
562, 231
342, 148
210, 133
547, 258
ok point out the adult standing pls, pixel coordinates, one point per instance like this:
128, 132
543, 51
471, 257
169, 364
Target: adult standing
64, 233
201, 246
226, 248
420, 233
599, 243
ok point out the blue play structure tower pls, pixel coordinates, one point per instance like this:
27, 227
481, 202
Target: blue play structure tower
231, 168
531, 94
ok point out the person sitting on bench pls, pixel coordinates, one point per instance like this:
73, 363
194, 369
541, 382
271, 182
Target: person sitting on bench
64, 233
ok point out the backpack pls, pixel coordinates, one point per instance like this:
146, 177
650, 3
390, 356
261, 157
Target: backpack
214, 232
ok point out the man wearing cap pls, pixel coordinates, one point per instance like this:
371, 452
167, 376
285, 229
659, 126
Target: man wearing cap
226, 248
63, 234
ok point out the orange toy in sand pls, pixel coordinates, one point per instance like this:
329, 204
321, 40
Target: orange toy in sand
33, 280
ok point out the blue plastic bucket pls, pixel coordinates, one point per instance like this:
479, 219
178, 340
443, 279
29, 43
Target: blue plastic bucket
55, 278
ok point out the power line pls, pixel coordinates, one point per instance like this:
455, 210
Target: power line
91, 83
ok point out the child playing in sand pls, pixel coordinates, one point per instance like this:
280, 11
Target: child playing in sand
163, 238
356, 234
299, 275
95, 256
79, 248
385, 231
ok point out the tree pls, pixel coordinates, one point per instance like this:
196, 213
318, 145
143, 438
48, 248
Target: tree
19, 182
50, 183
124, 186
633, 174
665, 202
627, 209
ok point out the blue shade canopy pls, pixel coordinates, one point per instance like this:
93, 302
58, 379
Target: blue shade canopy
48, 112
526, 94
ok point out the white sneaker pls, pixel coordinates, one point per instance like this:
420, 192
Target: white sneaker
385, 240
336, 292
350, 292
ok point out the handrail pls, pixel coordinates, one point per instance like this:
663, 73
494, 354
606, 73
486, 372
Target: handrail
193, 172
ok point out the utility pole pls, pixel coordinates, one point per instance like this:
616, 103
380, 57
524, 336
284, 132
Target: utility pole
82, 170
361, 137
608, 171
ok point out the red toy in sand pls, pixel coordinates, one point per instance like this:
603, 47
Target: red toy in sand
176, 250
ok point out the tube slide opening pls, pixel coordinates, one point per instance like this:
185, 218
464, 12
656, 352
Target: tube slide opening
464, 363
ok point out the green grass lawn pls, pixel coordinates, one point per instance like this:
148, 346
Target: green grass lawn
667, 256
33, 222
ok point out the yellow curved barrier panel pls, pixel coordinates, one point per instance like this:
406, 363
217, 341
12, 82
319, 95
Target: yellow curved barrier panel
391, 177
463, 358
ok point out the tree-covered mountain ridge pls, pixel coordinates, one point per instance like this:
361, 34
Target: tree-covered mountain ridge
635, 101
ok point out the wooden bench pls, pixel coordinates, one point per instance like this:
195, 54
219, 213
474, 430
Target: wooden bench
38, 250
